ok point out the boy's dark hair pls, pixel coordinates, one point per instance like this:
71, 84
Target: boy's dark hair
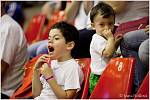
69, 32
103, 9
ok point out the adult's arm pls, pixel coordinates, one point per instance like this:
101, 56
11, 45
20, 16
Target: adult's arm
72, 10
88, 6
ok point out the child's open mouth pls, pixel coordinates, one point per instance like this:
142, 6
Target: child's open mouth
51, 49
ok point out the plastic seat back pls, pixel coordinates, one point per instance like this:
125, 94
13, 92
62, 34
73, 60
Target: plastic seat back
87, 72
85, 94
35, 28
25, 90
143, 91
116, 80
85, 64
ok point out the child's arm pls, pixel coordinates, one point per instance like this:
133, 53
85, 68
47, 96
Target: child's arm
110, 46
59, 92
36, 84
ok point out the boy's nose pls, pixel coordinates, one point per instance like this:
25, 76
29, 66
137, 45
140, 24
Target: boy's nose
107, 27
50, 41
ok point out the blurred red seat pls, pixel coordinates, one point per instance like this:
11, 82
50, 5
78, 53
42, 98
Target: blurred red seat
34, 28
25, 90
143, 91
56, 17
87, 72
85, 65
116, 80
85, 94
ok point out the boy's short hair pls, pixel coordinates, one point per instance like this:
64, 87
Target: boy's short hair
69, 32
103, 9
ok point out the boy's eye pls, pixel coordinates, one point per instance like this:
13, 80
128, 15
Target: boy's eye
110, 24
56, 38
101, 24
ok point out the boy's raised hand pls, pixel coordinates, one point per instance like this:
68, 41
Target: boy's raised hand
118, 39
43, 59
107, 34
46, 70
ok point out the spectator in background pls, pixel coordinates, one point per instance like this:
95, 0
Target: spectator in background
124, 10
78, 11
136, 44
144, 52
13, 54
14, 10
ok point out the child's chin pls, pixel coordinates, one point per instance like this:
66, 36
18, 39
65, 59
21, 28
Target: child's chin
52, 57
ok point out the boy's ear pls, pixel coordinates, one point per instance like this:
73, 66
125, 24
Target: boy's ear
92, 26
70, 45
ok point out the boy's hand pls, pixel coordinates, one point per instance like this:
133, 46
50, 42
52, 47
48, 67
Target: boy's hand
107, 34
118, 38
46, 70
43, 59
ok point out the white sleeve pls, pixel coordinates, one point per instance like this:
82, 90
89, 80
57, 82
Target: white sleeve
11, 44
99, 45
72, 79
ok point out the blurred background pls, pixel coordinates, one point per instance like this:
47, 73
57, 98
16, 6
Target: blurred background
24, 10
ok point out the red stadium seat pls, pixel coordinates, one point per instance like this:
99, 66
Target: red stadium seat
25, 90
34, 28
85, 65
86, 78
86, 85
143, 91
116, 80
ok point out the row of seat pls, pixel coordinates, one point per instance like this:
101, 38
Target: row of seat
115, 82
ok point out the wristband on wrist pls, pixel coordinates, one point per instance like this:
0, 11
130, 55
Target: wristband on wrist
49, 78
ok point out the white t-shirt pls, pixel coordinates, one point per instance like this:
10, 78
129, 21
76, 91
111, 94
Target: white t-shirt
13, 50
98, 62
68, 75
